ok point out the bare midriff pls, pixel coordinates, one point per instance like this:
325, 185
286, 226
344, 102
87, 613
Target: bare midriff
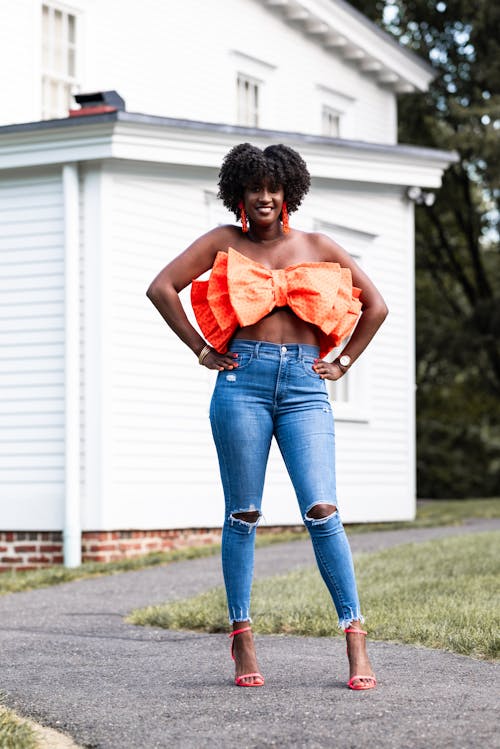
280, 326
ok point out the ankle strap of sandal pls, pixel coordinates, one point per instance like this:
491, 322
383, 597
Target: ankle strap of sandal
238, 631
355, 631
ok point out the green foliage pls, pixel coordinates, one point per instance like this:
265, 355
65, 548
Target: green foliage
439, 594
457, 239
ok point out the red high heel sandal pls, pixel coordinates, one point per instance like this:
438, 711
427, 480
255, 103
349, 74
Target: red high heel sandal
238, 680
371, 679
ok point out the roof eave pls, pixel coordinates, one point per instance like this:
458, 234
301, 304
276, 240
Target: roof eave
344, 31
140, 137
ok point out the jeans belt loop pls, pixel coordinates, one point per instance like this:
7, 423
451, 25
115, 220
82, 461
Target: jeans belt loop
256, 350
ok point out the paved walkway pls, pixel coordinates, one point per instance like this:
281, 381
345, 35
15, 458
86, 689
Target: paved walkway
71, 662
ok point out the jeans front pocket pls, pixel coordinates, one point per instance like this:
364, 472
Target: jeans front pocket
243, 360
306, 367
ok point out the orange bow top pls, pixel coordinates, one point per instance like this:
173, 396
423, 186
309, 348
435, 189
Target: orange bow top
241, 291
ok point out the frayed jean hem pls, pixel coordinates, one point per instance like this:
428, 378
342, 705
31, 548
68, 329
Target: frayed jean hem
354, 616
240, 618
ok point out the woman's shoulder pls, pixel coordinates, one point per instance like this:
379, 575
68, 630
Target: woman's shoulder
329, 250
223, 236
318, 246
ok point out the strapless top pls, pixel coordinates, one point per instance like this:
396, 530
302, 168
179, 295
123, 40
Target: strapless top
241, 291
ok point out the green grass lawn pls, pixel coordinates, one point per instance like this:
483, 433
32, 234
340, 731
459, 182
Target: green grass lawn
14, 732
443, 512
441, 594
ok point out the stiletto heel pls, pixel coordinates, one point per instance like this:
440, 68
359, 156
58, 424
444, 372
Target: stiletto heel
238, 679
371, 679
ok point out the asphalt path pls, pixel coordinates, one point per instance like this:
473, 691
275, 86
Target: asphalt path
69, 661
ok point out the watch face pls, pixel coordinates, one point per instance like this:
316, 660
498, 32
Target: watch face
345, 360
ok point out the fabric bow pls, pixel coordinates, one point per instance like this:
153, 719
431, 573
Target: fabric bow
241, 291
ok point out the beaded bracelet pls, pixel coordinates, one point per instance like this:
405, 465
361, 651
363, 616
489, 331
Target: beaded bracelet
205, 351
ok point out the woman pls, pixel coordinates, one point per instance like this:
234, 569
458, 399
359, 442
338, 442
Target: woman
277, 301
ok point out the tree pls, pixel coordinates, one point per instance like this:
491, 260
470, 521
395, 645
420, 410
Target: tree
457, 240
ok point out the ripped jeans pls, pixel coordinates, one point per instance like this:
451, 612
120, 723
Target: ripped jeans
275, 391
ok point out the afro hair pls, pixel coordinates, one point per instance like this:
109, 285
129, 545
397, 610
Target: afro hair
246, 165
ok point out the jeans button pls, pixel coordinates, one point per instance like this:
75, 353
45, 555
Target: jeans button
283, 349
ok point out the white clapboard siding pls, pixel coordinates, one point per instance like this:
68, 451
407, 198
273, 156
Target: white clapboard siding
158, 408
31, 350
156, 452
379, 454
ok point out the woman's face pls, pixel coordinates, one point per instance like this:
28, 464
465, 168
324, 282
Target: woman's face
263, 202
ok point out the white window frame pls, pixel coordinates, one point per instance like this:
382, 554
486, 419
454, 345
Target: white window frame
331, 122
249, 96
216, 212
258, 72
57, 75
349, 395
336, 103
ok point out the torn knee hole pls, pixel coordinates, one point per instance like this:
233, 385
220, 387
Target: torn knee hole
320, 511
247, 517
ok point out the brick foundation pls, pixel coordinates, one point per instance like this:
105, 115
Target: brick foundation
109, 546
29, 550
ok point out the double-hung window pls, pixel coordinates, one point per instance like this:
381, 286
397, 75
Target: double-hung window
334, 109
248, 90
59, 60
330, 122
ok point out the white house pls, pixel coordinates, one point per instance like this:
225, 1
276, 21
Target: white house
104, 423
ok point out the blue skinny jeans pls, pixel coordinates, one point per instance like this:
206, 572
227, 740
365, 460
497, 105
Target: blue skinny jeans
275, 392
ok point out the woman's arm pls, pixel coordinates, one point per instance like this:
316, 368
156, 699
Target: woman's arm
164, 292
374, 308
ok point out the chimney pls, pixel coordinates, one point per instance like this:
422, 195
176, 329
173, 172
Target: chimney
98, 103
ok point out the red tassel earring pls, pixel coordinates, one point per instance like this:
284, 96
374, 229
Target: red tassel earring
284, 218
243, 216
